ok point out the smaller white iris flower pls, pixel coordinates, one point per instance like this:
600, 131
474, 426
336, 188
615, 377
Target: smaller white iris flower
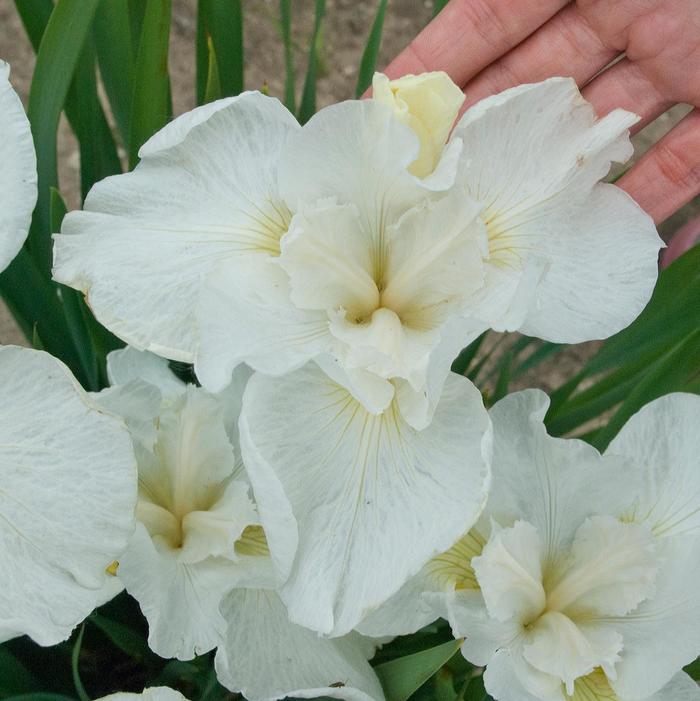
575, 583
199, 563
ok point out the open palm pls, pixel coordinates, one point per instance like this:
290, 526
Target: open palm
643, 55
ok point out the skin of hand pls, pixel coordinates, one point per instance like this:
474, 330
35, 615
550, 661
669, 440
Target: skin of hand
642, 55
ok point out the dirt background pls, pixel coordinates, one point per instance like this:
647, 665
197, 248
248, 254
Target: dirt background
345, 29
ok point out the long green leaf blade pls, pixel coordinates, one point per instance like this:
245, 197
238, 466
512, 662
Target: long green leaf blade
403, 676
371, 52
308, 98
116, 57
222, 23
150, 105
290, 83
60, 49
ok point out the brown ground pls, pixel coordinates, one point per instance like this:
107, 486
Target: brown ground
346, 26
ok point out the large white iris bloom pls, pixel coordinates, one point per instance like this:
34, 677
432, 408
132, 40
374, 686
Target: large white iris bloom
67, 496
575, 581
17, 171
362, 240
199, 563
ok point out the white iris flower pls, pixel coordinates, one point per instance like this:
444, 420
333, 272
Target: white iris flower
575, 581
199, 563
67, 496
17, 171
242, 237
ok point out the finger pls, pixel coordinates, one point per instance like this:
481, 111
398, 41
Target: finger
625, 85
668, 175
565, 45
469, 34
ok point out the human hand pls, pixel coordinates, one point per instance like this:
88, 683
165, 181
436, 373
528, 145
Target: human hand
489, 45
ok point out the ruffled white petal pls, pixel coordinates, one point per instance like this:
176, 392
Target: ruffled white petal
246, 315
553, 483
663, 633
509, 678
205, 190
509, 572
662, 444
180, 601
358, 152
17, 171
483, 635
266, 657
373, 499
611, 567
67, 497
569, 260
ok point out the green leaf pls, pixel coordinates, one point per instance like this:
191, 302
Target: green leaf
35, 16
503, 381
463, 361
221, 22
75, 662
15, 678
402, 677
98, 152
150, 106
290, 84
34, 302
438, 5
123, 637
116, 54
677, 370
693, 669
213, 89
371, 52
61, 46
308, 97
540, 354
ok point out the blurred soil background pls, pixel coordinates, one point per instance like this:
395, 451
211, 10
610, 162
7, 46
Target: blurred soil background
346, 26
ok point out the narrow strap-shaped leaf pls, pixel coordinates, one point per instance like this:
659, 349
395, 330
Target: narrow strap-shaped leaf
290, 84
221, 21
35, 16
116, 56
127, 640
150, 105
371, 52
438, 5
75, 662
213, 88
678, 370
98, 152
463, 361
33, 301
308, 98
403, 676
60, 49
